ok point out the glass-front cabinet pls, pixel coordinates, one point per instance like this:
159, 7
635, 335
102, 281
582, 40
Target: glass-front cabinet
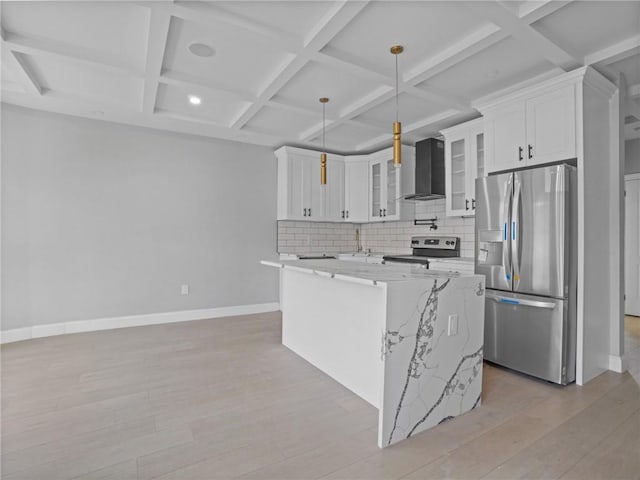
387, 185
464, 162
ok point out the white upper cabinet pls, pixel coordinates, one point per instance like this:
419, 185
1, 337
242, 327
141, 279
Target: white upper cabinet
464, 162
388, 184
333, 193
551, 126
300, 195
531, 129
357, 186
356, 191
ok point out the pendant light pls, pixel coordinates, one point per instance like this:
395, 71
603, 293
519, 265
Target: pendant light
323, 155
397, 127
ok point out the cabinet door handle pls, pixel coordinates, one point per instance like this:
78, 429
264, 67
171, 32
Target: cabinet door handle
347, 213
466, 204
305, 212
530, 152
473, 203
520, 154
309, 212
380, 213
384, 212
342, 213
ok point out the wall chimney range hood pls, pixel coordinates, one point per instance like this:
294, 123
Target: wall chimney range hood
429, 170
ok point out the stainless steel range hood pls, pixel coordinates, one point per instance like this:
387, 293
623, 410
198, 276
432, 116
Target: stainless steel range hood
429, 170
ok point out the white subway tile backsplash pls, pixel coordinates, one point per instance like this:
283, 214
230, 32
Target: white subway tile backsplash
391, 237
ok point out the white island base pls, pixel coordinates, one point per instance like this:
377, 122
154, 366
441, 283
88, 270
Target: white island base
405, 339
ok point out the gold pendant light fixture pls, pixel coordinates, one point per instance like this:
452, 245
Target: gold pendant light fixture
323, 155
397, 127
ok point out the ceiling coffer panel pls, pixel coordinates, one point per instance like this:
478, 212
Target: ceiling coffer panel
294, 18
78, 82
244, 60
411, 109
629, 67
114, 32
283, 121
499, 66
345, 136
424, 28
586, 27
315, 80
215, 107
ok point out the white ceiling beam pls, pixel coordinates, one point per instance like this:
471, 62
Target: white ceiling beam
185, 81
335, 20
17, 64
532, 11
291, 66
521, 30
210, 15
632, 107
22, 72
412, 127
282, 105
156, 45
473, 43
615, 53
359, 106
477, 41
354, 65
60, 51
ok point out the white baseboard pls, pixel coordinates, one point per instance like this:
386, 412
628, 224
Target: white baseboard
617, 363
37, 331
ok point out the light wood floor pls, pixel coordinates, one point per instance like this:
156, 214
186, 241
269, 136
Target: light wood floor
224, 399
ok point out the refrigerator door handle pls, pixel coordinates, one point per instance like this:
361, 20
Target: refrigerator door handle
518, 301
506, 242
516, 221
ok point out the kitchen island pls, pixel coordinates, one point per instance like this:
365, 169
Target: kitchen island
406, 339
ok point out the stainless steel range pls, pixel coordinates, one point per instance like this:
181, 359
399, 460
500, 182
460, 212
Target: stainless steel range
428, 247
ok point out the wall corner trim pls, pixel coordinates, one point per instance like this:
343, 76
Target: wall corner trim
97, 324
617, 363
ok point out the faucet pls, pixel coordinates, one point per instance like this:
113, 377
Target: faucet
358, 244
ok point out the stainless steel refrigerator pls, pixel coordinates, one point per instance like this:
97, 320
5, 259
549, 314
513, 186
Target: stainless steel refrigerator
526, 247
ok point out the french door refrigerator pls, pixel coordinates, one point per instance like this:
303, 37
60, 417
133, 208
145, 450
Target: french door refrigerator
526, 247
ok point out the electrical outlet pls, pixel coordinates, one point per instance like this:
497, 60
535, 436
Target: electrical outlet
453, 325
184, 290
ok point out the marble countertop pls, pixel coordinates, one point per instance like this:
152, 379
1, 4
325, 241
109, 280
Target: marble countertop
366, 273
453, 259
293, 256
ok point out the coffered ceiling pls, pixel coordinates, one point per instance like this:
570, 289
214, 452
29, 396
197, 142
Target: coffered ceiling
270, 61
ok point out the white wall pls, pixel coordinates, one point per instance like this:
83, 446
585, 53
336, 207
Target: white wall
104, 220
632, 156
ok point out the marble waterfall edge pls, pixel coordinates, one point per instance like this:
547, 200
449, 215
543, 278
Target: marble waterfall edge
432, 354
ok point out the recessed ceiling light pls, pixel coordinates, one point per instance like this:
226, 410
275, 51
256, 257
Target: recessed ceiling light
194, 100
201, 50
